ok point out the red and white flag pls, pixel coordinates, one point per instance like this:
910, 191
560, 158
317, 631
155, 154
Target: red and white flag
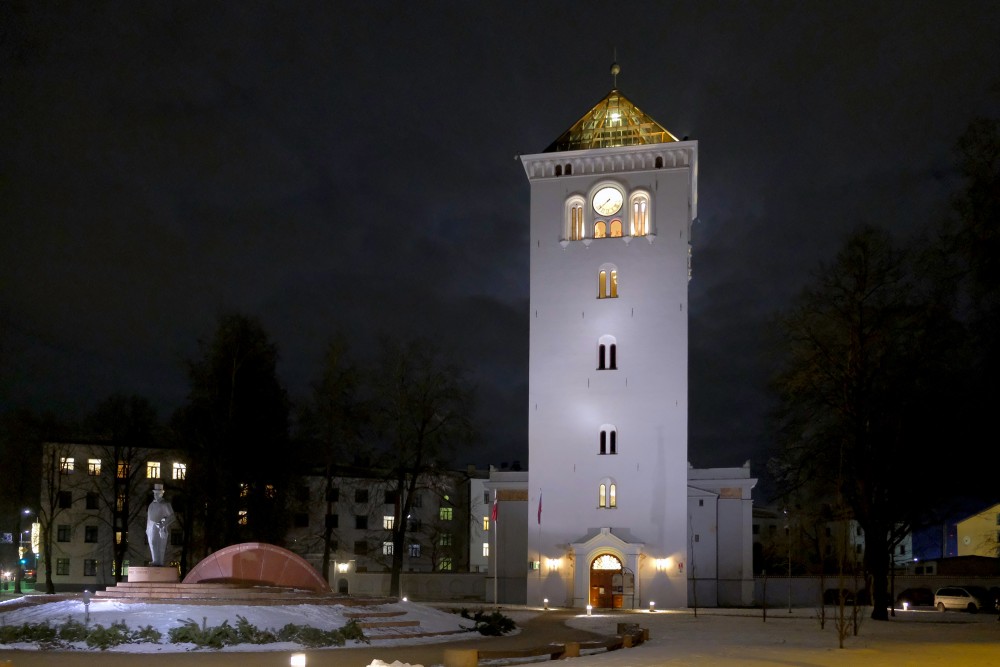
539, 507
495, 510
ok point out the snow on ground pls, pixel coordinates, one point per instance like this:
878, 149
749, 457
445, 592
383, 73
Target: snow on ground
163, 617
740, 637
717, 637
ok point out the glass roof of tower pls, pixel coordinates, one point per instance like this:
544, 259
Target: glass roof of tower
614, 121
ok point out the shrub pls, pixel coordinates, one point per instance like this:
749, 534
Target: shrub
492, 625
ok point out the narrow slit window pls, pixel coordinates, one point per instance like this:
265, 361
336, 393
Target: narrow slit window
600, 357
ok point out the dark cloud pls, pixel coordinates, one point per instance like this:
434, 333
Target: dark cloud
350, 167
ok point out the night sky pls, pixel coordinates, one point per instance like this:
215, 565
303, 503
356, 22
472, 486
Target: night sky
350, 166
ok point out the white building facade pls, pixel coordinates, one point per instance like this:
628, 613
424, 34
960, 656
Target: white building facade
612, 203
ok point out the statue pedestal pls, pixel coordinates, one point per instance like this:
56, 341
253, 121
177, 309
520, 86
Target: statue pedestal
153, 575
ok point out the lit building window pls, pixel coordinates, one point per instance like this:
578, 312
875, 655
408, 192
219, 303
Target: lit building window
446, 513
180, 471
486, 549
414, 550
640, 214
118, 537
600, 229
388, 522
94, 467
66, 464
444, 540
486, 523
120, 502
241, 517
444, 564
616, 229
123, 469
244, 489
607, 494
575, 230
270, 491
387, 548
153, 469
607, 283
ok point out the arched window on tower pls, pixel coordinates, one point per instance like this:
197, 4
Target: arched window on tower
659, 163
639, 214
607, 493
616, 229
569, 168
607, 282
607, 354
558, 170
608, 440
575, 230
600, 229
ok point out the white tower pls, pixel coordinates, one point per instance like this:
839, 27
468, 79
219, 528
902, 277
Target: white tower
612, 201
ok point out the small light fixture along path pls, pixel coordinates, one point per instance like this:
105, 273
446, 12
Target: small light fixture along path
298, 660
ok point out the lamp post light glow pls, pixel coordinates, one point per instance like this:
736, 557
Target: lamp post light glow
906, 606
652, 606
546, 602
590, 608
298, 660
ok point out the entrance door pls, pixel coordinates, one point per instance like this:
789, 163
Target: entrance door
603, 571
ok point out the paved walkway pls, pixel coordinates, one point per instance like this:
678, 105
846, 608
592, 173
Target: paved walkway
546, 627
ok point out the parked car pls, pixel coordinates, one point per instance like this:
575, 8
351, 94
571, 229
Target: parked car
968, 598
916, 597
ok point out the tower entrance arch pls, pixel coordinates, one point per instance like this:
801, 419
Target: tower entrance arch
610, 582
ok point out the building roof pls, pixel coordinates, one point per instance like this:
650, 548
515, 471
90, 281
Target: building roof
614, 121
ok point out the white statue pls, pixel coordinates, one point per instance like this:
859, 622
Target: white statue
158, 519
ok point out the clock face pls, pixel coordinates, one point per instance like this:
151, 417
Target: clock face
608, 200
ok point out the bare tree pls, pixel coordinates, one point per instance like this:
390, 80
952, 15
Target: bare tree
864, 363
422, 409
125, 426
57, 465
330, 424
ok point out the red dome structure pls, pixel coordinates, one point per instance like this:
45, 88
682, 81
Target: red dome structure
257, 564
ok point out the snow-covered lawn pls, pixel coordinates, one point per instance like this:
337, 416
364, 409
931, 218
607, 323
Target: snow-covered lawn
163, 617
